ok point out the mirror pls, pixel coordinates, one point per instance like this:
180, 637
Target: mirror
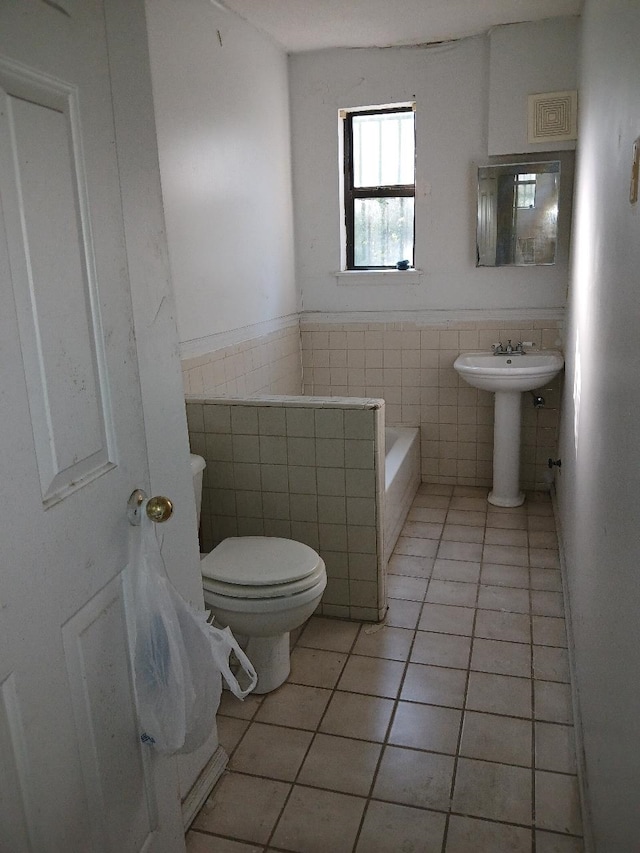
518, 214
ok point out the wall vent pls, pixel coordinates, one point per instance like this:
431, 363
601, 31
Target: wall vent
553, 117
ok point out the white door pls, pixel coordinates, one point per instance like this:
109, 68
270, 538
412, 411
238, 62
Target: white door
73, 774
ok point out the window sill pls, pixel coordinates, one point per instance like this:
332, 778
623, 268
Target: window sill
374, 277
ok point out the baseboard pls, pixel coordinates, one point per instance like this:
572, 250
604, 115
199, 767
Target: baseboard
203, 786
589, 846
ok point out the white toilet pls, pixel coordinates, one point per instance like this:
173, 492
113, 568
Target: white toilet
262, 587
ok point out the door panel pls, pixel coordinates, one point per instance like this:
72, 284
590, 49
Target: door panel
53, 271
72, 448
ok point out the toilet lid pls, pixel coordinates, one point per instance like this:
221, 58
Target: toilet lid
276, 590
260, 561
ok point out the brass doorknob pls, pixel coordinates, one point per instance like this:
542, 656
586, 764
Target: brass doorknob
159, 508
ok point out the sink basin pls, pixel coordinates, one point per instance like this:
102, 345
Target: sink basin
508, 372
507, 376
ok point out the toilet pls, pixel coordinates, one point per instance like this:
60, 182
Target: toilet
262, 587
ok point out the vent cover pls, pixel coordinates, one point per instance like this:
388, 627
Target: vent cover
553, 117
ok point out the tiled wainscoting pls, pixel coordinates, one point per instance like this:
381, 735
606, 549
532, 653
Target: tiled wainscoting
410, 366
310, 470
269, 364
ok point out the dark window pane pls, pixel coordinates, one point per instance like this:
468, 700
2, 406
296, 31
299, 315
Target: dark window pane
383, 231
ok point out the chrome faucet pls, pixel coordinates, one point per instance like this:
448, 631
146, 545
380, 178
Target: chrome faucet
509, 349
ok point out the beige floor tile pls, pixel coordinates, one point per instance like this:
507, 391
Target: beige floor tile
553, 702
414, 567
462, 533
230, 731
409, 588
402, 613
414, 778
374, 676
494, 574
449, 650
271, 751
225, 810
543, 539
504, 598
549, 631
545, 603
499, 694
315, 667
469, 503
356, 716
555, 747
496, 738
463, 571
471, 491
340, 764
422, 530
558, 802
510, 555
468, 517
315, 821
434, 685
435, 489
389, 828
508, 521
541, 522
390, 643
551, 664
428, 500
544, 558
426, 727
334, 635
295, 705
549, 579
548, 842
467, 835
198, 842
506, 536
427, 514
466, 551
447, 619
501, 657
493, 791
495, 625
416, 547
245, 709
451, 592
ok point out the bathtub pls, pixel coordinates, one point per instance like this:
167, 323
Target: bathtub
401, 480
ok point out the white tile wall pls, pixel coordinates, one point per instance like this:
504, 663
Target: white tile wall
411, 367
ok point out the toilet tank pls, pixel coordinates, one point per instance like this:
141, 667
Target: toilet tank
197, 468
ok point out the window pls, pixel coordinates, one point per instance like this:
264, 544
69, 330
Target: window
525, 191
379, 187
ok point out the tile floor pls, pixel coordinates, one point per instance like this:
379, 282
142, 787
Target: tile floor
448, 729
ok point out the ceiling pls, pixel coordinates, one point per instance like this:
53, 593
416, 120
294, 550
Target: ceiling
300, 25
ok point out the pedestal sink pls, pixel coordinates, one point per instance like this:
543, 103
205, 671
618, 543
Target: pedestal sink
507, 375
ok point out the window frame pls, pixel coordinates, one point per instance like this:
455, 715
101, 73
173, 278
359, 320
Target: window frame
352, 193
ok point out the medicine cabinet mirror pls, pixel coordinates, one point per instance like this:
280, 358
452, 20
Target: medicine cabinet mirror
518, 214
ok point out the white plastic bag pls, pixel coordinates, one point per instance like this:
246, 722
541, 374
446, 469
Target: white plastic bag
179, 658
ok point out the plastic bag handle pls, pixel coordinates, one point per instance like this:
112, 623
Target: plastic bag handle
223, 643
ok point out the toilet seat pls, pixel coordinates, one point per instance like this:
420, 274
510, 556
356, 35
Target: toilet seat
261, 567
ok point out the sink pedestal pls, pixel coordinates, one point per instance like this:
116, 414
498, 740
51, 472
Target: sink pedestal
506, 450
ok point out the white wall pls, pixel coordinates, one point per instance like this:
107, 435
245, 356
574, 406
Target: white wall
528, 59
222, 113
450, 85
599, 484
